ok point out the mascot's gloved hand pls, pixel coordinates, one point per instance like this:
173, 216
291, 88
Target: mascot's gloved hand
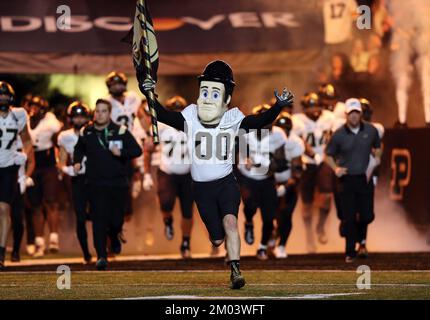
286, 99
147, 86
147, 182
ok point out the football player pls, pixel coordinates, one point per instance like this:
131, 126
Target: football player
317, 175
362, 227
44, 128
287, 182
127, 110
79, 115
257, 182
13, 124
174, 177
211, 128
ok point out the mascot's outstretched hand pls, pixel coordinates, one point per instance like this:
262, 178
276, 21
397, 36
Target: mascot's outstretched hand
286, 99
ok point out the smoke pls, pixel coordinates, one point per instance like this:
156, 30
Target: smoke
411, 38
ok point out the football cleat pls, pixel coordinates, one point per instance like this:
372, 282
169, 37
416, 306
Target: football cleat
362, 251
262, 254
185, 250
349, 259
249, 233
169, 232
40, 247
31, 249
54, 245
280, 252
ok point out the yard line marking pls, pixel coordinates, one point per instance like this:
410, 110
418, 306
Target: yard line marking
299, 297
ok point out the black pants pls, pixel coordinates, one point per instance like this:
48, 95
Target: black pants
107, 212
260, 194
284, 216
356, 200
29, 227
80, 204
17, 218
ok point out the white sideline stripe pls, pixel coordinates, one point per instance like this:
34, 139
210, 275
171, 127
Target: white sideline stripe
212, 285
300, 297
213, 271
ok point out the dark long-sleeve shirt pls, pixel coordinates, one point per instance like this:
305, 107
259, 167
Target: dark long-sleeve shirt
256, 121
102, 167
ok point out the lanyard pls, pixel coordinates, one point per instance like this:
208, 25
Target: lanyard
105, 133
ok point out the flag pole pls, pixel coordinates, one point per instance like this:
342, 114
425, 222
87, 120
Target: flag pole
147, 61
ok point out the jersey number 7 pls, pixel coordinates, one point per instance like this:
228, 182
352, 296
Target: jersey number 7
15, 135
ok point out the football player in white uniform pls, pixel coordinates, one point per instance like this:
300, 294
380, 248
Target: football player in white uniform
44, 128
257, 182
13, 124
362, 228
287, 182
79, 114
127, 110
211, 129
174, 177
317, 175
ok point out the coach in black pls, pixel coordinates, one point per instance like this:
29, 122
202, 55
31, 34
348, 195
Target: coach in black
108, 149
348, 154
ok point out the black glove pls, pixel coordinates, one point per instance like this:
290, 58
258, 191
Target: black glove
286, 99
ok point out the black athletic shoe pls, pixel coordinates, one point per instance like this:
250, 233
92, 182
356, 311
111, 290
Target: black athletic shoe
101, 264
237, 281
115, 245
249, 233
15, 256
169, 232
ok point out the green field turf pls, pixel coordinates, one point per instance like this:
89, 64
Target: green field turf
273, 284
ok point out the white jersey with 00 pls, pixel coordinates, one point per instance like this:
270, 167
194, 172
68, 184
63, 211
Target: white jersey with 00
338, 20
10, 128
260, 150
42, 134
316, 133
68, 140
174, 150
125, 113
211, 149
294, 147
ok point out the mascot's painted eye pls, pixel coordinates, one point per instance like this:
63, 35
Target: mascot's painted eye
205, 93
215, 95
